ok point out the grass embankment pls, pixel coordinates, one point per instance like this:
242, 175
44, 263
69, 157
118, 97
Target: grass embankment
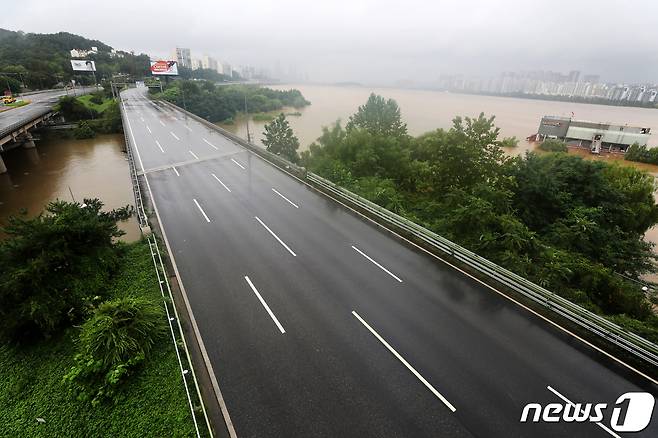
17, 104
32, 387
86, 100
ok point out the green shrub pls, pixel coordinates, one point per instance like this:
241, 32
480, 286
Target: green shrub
113, 342
553, 145
72, 109
97, 98
84, 131
54, 265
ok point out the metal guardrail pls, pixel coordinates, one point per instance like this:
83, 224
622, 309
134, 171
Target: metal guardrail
636, 345
177, 336
592, 322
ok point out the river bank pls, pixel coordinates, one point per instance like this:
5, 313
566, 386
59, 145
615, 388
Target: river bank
64, 168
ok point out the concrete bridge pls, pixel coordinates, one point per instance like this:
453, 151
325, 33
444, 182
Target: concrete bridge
16, 124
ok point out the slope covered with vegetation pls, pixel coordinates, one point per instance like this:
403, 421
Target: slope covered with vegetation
218, 103
43, 60
83, 349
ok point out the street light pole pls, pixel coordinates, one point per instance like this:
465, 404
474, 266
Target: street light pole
246, 115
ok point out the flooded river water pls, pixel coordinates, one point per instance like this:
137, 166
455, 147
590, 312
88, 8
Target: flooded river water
98, 167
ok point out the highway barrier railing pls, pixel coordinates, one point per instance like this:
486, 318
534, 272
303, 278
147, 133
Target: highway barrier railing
195, 401
632, 343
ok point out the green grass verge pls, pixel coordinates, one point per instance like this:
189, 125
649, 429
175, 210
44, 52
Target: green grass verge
155, 403
86, 101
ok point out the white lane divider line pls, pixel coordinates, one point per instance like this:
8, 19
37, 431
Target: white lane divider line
188, 128
240, 165
149, 129
193, 154
220, 181
161, 122
276, 237
262, 301
566, 400
376, 264
210, 144
174, 135
405, 363
158, 143
201, 209
175, 170
291, 203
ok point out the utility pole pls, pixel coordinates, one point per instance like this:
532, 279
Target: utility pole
246, 115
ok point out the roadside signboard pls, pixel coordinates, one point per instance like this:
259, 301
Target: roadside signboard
164, 68
83, 65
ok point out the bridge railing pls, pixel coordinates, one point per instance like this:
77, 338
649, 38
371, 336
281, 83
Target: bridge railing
17, 125
635, 345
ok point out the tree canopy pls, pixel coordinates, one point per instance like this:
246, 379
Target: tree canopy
574, 226
43, 60
379, 117
54, 264
280, 140
218, 103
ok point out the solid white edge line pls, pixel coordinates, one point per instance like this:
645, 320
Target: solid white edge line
174, 135
262, 301
210, 144
291, 203
566, 400
241, 166
405, 363
175, 170
195, 327
220, 181
201, 209
275, 236
377, 264
193, 154
158, 143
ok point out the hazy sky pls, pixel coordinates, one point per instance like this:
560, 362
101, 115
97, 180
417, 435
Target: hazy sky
372, 41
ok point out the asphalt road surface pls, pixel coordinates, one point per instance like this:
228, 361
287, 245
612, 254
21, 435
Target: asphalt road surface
319, 324
38, 102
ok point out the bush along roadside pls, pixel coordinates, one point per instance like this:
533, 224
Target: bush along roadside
84, 351
95, 113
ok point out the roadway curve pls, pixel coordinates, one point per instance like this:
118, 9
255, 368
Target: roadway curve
299, 348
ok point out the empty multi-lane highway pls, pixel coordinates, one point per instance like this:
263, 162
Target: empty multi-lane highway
318, 324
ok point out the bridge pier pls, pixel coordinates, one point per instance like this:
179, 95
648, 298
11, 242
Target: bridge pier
29, 141
3, 168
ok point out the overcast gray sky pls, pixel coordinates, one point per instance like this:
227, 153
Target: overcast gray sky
372, 41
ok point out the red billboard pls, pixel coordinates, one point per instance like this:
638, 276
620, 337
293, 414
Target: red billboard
164, 68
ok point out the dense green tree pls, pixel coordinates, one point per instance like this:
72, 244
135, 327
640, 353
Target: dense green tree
54, 264
280, 140
217, 103
574, 226
379, 117
44, 59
